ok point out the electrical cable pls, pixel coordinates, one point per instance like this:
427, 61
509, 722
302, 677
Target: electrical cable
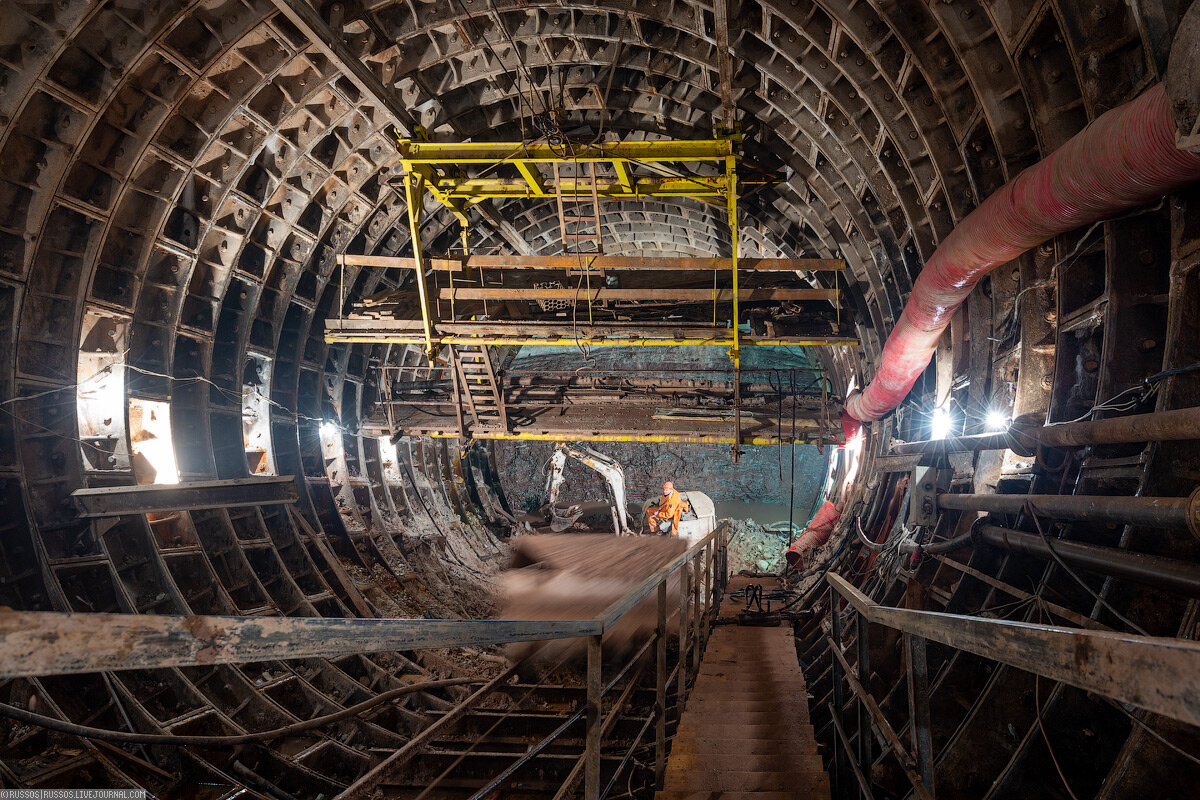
612, 69
232, 740
1028, 509
520, 59
492, 50
1153, 732
792, 476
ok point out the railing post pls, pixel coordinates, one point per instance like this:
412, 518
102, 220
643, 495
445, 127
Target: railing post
710, 564
681, 678
724, 561
591, 775
660, 692
840, 784
697, 616
918, 706
865, 743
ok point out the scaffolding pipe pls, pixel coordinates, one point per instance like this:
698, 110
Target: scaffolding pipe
1156, 512
1160, 426
1162, 573
1125, 158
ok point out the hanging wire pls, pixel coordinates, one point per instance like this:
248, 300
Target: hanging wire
1029, 509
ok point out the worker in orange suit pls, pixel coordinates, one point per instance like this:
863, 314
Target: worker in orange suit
668, 510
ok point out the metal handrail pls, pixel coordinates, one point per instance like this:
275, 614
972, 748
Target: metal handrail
49, 643
1158, 674
39, 643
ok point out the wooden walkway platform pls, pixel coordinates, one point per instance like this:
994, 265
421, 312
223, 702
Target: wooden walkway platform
745, 731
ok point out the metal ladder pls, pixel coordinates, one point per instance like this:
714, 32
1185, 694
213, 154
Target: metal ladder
579, 214
479, 387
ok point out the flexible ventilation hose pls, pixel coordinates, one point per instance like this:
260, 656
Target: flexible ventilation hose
1123, 159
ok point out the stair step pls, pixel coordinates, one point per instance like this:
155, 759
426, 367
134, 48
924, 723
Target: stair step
745, 730
745, 781
693, 794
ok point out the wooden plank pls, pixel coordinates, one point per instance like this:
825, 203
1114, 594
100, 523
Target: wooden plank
599, 262
602, 293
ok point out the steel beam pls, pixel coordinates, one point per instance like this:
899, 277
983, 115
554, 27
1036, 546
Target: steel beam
920, 725
1158, 674
49, 643
1161, 426
643, 436
1170, 574
591, 775
116, 501
1155, 512
864, 784
458, 153
604, 293
866, 755
660, 688
840, 756
597, 262
899, 752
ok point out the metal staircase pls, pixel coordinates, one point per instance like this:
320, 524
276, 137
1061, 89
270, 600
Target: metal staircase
478, 387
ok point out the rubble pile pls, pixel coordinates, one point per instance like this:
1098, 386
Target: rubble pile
754, 548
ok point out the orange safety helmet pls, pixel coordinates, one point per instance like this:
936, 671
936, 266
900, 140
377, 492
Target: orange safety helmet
668, 487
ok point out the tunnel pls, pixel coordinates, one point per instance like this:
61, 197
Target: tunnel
301, 300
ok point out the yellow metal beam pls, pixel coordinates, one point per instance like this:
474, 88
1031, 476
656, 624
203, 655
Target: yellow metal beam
624, 175
658, 438
448, 188
735, 351
532, 177
413, 196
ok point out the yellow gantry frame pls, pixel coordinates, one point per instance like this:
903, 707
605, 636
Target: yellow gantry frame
438, 167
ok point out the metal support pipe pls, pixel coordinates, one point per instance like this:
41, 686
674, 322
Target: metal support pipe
1156, 512
1160, 426
681, 687
840, 755
660, 689
920, 726
1161, 573
591, 775
866, 756
864, 783
697, 612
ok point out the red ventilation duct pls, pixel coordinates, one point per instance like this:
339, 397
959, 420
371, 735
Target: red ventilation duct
1124, 159
815, 535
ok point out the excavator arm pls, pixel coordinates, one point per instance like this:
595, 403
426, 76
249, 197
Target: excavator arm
608, 468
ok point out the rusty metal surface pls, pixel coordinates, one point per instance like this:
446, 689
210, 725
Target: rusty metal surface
1159, 674
114, 501
188, 173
